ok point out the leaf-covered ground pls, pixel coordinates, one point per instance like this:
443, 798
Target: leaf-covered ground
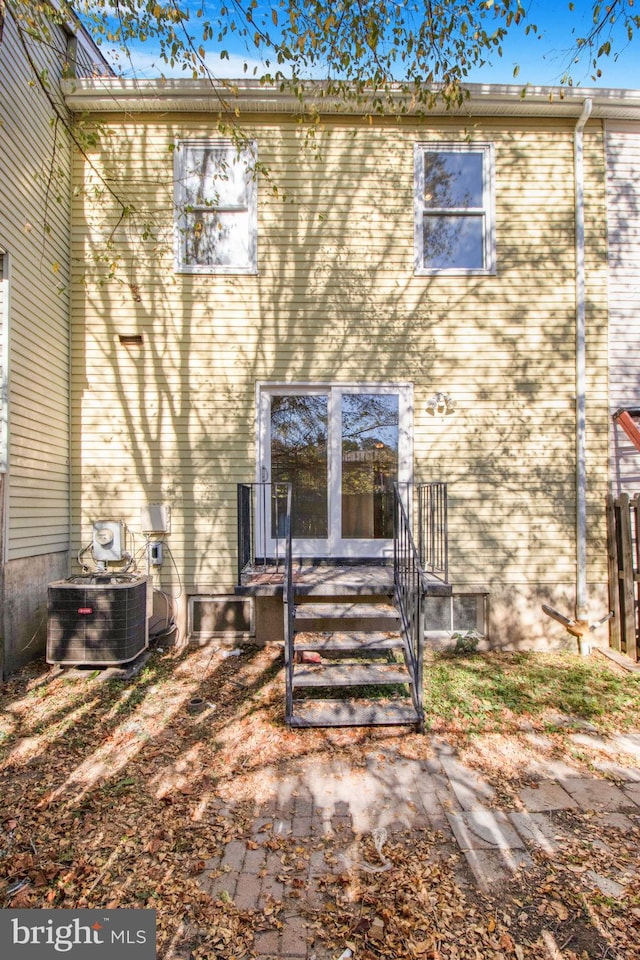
112, 794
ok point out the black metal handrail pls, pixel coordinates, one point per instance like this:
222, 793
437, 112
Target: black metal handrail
263, 509
289, 608
433, 528
409, 587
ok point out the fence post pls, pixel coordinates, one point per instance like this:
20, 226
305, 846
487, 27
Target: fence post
625, 562
632, 640
614, 573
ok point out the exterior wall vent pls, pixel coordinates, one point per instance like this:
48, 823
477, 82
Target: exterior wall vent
220, 616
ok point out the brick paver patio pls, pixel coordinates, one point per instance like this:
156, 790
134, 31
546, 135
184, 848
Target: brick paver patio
311, 823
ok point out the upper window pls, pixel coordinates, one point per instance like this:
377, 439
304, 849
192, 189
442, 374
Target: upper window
216, 207
454, 230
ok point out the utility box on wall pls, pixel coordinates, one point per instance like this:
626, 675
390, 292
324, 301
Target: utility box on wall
108, 544
155, 518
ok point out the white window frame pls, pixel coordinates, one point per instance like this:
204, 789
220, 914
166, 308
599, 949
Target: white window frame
486, 212
246, 154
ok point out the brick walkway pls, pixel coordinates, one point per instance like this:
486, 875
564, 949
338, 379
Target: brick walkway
311, 824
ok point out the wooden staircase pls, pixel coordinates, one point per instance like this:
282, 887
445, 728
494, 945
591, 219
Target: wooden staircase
349, 663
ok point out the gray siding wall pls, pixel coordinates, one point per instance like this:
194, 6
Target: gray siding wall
34, 231
623, 221
4, 303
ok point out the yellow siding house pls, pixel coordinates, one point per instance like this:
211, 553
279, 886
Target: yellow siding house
256, 297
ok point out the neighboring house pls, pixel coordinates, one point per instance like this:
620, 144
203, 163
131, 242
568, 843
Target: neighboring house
398, 297
623, 200
35, 192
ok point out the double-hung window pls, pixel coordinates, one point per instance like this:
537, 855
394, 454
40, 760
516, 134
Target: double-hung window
216, 207
454, 218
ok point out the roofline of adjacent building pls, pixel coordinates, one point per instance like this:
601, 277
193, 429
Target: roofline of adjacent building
115, 95
75, 27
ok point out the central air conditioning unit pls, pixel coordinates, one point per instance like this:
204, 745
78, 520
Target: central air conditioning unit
97, 619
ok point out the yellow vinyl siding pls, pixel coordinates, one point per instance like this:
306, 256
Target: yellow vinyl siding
336, 300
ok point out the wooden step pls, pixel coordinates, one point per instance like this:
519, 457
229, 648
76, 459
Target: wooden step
344, 610
347, 642
345, 616
349, 674
353, 713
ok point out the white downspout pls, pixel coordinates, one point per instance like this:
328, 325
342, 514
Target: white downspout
582, 613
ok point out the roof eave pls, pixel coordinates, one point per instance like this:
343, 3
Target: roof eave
114, 95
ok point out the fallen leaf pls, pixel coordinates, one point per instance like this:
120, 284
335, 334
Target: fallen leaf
506, 942
420, 948
21, 899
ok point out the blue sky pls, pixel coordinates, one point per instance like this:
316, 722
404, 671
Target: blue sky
542, 59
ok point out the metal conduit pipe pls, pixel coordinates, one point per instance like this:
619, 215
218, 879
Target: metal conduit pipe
582, 611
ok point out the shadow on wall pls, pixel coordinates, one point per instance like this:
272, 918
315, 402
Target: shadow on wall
335, 300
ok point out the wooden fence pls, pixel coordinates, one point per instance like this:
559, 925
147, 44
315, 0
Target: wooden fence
623, 549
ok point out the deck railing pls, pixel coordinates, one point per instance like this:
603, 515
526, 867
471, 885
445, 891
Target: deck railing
433, 528
289, 608
413, 563
263, 509
409, 588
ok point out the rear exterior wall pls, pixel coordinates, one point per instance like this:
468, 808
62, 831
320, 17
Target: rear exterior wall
336, 300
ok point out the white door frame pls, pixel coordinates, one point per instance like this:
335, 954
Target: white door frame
335, 546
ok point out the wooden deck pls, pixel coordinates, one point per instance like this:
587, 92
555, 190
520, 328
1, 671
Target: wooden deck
318, 578
328, 580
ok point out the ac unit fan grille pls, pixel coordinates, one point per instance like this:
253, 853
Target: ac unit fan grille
96, 623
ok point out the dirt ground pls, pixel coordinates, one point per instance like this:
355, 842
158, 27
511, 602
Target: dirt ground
115, 794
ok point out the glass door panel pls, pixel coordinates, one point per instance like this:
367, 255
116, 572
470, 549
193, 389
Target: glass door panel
370, 434
341, 448
299, 430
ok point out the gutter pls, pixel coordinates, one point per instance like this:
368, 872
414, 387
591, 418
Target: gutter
581, 390
180, 95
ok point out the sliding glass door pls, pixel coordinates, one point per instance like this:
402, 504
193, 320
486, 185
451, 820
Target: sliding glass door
342, 448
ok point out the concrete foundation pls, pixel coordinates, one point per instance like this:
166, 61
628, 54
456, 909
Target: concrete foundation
517, 621
269, 620
23, 616
514, 615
